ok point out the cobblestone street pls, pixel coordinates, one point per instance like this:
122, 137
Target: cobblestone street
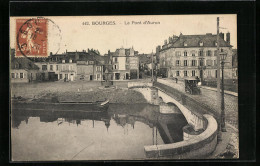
209, 97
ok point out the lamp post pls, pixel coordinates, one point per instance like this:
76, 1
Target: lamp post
223, 56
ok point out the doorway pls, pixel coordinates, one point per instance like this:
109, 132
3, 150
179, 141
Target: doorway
91, 77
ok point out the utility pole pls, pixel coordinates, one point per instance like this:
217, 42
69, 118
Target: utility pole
218, 64
219, 136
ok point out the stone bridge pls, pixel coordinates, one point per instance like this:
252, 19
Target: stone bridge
153, 96
199, 137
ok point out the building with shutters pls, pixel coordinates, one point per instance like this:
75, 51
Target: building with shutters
194, 56
125, 64
22, 69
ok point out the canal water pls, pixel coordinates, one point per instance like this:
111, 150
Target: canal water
120, 133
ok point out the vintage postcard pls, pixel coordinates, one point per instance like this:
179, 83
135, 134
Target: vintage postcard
147, 87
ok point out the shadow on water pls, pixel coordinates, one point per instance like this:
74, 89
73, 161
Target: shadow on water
168, 126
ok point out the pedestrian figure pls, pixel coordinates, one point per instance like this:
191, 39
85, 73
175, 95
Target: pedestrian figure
176, 79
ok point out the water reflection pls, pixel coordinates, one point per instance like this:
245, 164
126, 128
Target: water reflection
119, 133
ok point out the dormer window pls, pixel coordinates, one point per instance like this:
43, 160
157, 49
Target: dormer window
216, 43
17, 66
201, 43
185, 44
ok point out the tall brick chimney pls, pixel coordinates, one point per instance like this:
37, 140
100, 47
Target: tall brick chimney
228, 38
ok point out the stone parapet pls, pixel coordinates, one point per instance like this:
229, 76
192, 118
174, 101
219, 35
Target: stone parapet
196, 147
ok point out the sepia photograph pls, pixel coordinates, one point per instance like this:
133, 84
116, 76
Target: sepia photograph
132, 87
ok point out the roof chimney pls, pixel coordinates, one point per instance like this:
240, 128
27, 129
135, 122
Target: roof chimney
221, 35
228, 38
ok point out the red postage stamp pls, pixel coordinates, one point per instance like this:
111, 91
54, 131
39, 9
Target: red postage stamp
32, 37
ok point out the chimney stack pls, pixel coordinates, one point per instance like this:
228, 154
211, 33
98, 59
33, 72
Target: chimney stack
228, 38
221, 35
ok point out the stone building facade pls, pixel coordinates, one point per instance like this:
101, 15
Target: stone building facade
125, 64
22, 69
195, 56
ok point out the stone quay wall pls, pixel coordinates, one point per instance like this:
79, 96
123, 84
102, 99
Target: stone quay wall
195, 148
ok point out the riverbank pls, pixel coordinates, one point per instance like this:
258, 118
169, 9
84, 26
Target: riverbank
78, 91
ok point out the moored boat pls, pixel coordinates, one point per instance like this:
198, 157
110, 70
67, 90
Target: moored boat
98, 106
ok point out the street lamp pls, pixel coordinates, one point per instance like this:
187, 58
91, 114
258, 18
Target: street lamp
223, 56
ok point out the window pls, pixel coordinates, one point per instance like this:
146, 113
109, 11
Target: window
201, 53
60, 76
185, 44
201, 43
216, 73
17, 75
209, 53
98, 68
51, 67
185, 53
201, 62
185, 63
178, 53
115, 67
177, 73
209, 62
193, 63
193, 53
17, 66
115, 59
177, 63
185, 73
193, 72
57, 67
12, 75
209, 73
215, 53
98, 76
44, 67
21, 75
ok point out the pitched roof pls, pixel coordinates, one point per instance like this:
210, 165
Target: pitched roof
23, 63
208, 40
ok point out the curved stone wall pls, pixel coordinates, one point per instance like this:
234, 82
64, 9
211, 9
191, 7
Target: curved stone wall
194, 148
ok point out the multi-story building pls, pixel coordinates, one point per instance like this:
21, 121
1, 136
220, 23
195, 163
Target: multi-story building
72, 66
195, 55
125, 64
22, 69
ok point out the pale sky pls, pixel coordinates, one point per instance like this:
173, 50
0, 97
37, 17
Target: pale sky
144, 38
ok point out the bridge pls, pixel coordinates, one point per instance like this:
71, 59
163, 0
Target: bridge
201, 141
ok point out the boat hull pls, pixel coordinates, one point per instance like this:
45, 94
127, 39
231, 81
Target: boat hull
83, 107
